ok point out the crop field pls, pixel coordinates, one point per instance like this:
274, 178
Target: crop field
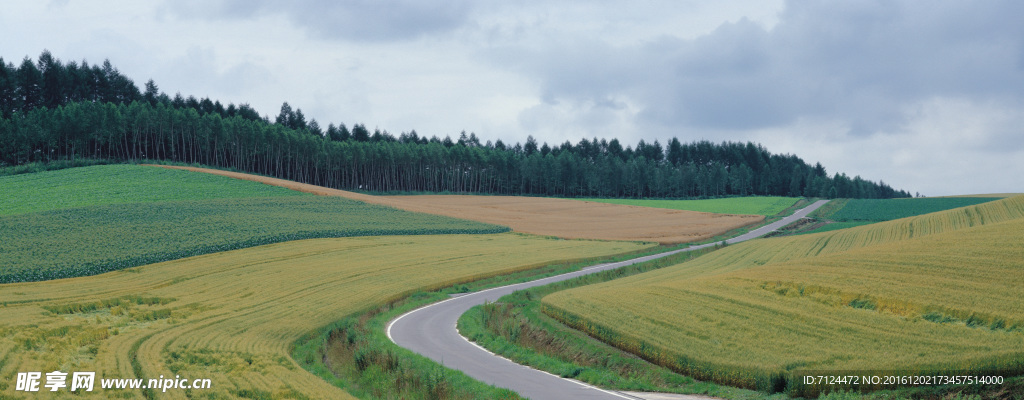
96, 239
572, 219
995, 195
138, 217
233, 316
937, 293
765, 206
890, 209
846, 213
576, 219
120, 184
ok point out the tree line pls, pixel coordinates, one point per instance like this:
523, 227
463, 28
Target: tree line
87, 118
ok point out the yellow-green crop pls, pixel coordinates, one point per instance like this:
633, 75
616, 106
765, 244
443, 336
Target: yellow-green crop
938, 293
232, 317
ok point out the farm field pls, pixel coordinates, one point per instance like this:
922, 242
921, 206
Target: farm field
563, 218
233, 316
890, 209
934, 293
997, 195
120, 184
97, 239
848, 213
761, 205
575, 219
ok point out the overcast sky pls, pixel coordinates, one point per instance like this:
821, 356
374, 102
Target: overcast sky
927, 96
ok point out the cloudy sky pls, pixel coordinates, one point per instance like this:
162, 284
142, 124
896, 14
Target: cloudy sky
927, 96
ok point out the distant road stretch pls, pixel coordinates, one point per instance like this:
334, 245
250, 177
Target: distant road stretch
430, 331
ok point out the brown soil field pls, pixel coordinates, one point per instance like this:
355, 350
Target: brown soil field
570, 219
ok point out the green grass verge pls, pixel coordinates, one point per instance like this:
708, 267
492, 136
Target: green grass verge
356, 355
515, 328
121, 184
766, 206
96, 239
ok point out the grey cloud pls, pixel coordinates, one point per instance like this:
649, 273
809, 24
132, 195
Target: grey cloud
864, 63
356, 20
199, 68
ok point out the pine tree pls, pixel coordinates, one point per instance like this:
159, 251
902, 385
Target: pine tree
152, 92
286, 117
360, 134
29, 90
531, 145
52, 90
314, 128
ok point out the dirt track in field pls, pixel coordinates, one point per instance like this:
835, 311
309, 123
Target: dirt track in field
571, 219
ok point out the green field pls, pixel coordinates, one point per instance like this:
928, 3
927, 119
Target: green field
63, 243
121, 184
766, 206
938, 293
835, 226
890, 209
848, 213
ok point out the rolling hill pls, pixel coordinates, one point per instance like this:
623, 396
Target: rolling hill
932, 294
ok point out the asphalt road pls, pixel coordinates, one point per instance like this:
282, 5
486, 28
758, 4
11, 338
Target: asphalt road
430, 331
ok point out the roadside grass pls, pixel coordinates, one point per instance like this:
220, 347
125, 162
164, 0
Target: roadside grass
514, 328
120, 184
356, 352
935, 294
823, 212
754, 205
236, 317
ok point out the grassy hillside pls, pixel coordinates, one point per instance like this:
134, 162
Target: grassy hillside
889, 209
848, 213
120, 184
140, 218
233, 317
766, 206
936, 293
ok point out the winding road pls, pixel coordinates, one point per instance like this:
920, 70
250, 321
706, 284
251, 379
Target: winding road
430, 331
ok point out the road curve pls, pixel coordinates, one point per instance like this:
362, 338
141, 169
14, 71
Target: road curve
430, 331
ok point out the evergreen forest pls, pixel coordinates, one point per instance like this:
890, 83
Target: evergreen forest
53, 111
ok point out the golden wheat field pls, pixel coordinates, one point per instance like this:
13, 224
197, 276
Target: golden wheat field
572, 219
934, 293
231, 317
